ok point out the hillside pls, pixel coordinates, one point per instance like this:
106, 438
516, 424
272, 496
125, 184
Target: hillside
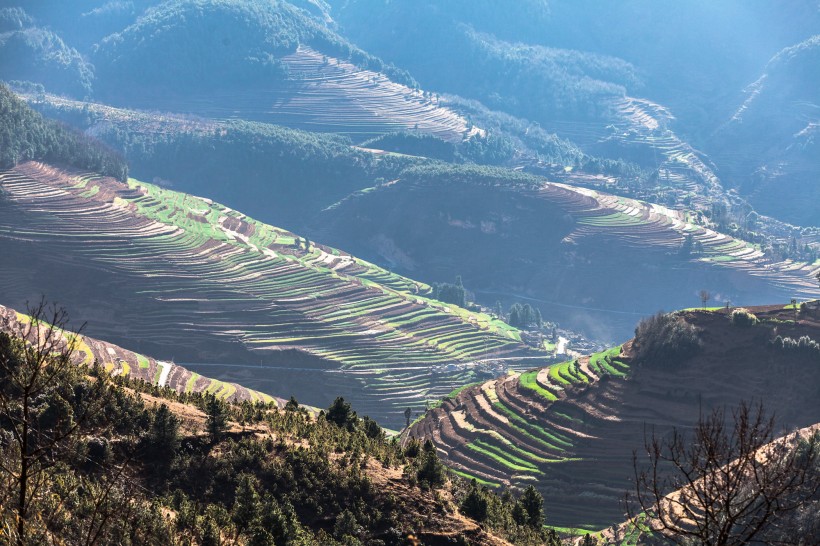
570, 429
320, 93
287, 175
152, 466
121, 362
190, 279
36, 54
768, 148
569, 250
692, 57
25, 135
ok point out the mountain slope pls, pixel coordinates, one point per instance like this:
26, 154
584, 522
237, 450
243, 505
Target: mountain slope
26, 135
270, 62
571, 428
189, 278
36, 54
570, 250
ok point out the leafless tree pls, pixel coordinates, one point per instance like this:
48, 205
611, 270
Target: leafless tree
728, 483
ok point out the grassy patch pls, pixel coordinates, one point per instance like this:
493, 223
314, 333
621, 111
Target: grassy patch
529, 381
505, 459
143, 362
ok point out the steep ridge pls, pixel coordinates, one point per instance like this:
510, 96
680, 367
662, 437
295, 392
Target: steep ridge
444, 223
189, 278
570, 429
768, 149
122, 362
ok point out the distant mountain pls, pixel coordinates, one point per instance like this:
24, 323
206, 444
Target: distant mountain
571, 428
204, 45
770, 148
36, 54
454, 48
690, 56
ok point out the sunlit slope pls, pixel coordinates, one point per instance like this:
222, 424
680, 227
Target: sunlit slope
193, 279
570, 429
122, 362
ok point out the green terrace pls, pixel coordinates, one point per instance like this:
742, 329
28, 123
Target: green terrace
516, 429
214, 272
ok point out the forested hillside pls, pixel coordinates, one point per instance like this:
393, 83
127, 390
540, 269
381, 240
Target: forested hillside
32, 53
25, 135
243, 41
91, 459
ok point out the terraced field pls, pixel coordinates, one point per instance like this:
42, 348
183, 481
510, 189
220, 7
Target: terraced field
506, 431
122, 362
570, 428
326, 94
637, 223
191, 278
641, 131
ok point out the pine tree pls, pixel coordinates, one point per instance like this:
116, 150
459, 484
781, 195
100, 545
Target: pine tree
475, 504
217, 417
431, 471
163, 439
292, 404
246, 503
210, 533
533, 504
341, 414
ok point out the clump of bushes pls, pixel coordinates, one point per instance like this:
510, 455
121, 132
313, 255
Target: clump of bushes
665, 337
804, 345
743, 317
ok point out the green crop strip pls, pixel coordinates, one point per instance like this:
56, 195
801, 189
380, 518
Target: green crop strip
501, 460
528, 380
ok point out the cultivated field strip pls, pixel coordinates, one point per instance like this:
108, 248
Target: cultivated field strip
119, 361
641, 224
218, 273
